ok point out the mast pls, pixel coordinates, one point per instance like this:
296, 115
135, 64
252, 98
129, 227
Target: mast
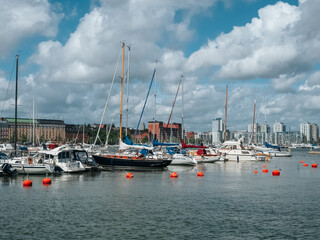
155, 104
16, 109
225, 120
123, 45
128, 81
175, 98
84, 120
182, 135
254, 114
33, 123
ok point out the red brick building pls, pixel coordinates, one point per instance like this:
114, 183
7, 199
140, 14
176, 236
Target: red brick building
162, 130
190, 135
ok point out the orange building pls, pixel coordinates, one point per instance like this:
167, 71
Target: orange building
160, 130
190, 135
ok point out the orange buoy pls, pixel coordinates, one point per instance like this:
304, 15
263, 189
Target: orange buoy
265, 170
46, 181
306, 164
129, 175
255, 171
263, 165
27, 183
314, 165
276, 173
301, 161
200, 174
174, 175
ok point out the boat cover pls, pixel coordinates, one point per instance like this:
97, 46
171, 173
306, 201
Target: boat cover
184, 145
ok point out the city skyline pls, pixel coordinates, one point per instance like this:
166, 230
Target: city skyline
265, 51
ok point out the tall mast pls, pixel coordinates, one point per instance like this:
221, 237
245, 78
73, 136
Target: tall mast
155, 104
182, 135
123, 45
128, 81
33, 123
254, 114
16, 109
84, 119
225, 120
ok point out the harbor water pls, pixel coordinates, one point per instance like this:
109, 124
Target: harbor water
229, 202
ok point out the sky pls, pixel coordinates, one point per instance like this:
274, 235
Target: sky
266, 51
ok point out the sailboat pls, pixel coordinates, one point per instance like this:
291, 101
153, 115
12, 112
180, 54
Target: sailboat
130, 156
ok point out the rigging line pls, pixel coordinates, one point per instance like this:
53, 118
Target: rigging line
107, 100
164, 134
5, 98
109, 131
145, 102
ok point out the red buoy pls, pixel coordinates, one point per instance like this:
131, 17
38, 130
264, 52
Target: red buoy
301, 161
200, 174
314, 165
27, 183
174, 175
306, 164
276, 173
46, 181
265, 170
263, 165
129, 175
255, 171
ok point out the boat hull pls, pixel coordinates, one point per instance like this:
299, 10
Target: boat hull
106, 161
35, 169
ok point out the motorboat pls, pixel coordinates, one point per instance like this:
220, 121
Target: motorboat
205, 155
64, 158
235, 151
179, 157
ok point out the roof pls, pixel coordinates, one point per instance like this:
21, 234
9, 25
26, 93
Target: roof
21, 120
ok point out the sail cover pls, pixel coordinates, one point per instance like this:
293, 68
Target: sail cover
124, 146
184, 145
272, 146
156, 143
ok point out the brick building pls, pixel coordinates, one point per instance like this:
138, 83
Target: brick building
162, 130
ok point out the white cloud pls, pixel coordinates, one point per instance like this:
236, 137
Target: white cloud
21, 19
312, 83
276, 43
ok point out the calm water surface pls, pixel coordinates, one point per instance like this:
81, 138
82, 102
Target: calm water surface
229, 202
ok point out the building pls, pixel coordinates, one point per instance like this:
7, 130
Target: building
190, 135
159, 131
4, 131
74, 133
306, 131
28, 130
217, 131
279, 127
315, 133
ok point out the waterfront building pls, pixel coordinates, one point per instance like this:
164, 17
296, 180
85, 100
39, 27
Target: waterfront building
315, 133
279, 127
168, 131
4, 131
217, 131
44, 130
306, 131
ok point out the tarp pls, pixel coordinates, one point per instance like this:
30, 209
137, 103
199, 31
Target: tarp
184, 145
124, 146
272, 146
156, 143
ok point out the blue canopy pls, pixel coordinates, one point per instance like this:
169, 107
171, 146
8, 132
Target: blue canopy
156, 143
272, 146
129, 142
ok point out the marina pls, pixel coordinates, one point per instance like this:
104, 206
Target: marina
229, 202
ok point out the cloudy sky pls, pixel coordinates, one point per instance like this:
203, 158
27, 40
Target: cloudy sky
266, 51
